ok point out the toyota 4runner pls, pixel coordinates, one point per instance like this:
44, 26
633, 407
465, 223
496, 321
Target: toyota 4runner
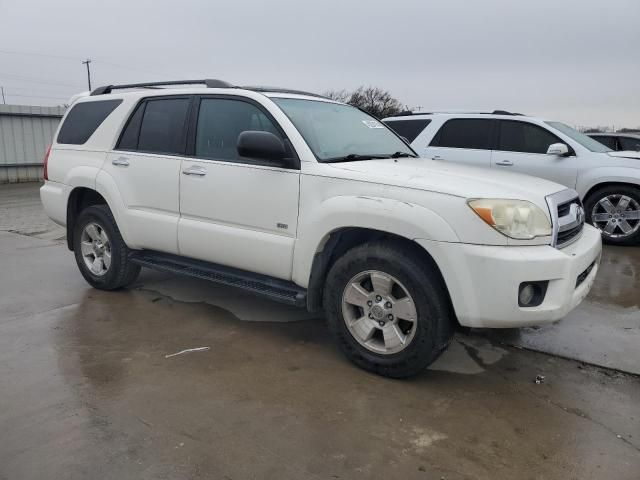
317, 204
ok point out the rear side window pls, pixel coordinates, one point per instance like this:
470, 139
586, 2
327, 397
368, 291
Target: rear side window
473, 133
629, 143
524, 137
157, 126
84, 119
409, 129
608, 141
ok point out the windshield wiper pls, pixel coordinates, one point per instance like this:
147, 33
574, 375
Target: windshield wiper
353, 157
402, 155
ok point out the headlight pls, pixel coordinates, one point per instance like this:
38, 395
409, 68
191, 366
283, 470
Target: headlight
517, 219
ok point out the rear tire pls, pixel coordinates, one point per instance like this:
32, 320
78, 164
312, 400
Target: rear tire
614, 210
369, 325
100, 252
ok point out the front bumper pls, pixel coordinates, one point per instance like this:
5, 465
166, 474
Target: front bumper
483, 281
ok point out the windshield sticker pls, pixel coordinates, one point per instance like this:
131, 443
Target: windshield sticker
372, 123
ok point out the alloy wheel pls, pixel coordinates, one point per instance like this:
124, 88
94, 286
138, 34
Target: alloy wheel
96, 249
617, 216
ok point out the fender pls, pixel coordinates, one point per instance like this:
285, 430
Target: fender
404, 219
595, 176
106, 186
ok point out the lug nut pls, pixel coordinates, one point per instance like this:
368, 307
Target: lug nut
381, 323
369, 303
378, 298
390, 317
387, 305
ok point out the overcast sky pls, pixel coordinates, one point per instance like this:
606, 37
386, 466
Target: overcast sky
572, 60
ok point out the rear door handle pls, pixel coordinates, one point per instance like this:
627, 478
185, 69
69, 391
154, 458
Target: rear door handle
120, 162
505, 163
437, 157
197, 171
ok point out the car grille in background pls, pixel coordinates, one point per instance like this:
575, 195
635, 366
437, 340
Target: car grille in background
570, 222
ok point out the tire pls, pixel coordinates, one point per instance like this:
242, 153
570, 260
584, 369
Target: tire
622, 212
426, 338
102, 241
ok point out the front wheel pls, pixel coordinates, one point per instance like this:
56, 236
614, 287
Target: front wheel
101, 254
388, 310
615, 211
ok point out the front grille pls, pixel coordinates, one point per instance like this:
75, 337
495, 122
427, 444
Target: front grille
568, 217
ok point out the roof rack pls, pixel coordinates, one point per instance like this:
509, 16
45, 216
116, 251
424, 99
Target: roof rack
409, 113
209, 83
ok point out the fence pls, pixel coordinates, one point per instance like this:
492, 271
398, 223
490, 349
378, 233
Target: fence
25, 133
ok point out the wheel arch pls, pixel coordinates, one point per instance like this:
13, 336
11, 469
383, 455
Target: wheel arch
612, 183
340, 240
79, 199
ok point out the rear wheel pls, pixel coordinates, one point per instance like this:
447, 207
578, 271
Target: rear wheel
389, 312
615, 211
101, 254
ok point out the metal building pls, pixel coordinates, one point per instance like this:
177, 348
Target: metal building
25, 133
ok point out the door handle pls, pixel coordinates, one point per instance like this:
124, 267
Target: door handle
437, 157
197, 171
120, 162
505, 163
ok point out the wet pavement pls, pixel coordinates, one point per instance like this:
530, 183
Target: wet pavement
87, 390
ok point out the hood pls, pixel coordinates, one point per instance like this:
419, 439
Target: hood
450, 178
625, 154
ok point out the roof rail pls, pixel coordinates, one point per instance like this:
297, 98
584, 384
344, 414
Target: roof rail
209, 83
409, 113
283, 90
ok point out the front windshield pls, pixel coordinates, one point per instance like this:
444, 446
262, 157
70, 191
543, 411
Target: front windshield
335, 131
584, 140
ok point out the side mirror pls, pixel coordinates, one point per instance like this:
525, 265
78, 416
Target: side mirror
261, 145
558, 149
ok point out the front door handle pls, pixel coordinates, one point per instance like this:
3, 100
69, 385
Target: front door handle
437, 157
197, 171
120, 162
505, 163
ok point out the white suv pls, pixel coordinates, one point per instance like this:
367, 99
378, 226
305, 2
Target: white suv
314, 203
608, 182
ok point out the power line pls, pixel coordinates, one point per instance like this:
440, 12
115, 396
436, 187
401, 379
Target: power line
36, 96
33, 80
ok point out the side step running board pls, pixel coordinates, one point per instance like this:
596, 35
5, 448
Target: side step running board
274, 288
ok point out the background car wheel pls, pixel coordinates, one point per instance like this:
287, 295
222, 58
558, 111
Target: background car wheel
615, 211
388, 310
100, 251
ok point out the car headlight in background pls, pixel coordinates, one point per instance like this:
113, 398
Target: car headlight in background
518, 219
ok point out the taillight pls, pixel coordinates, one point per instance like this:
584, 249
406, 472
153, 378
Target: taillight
46, 163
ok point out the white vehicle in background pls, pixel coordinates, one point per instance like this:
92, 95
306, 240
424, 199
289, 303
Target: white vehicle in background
608, 182
626, 142
314, 203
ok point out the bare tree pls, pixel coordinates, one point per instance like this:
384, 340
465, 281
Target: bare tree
375, 101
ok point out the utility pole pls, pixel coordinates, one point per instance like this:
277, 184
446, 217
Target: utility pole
87, 62
3, 100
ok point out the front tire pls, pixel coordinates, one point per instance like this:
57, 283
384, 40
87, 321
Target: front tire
388, 310
100, 252
615, 211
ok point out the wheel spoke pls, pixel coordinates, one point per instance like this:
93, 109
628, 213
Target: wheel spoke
97, 266
356, 295
103, 237
610, 227
405, 309
393, 337
633, 215
92, 231
364, 328
381, 284
86, 248
106, 259
623, 203
625, 227
607, 205
600, 217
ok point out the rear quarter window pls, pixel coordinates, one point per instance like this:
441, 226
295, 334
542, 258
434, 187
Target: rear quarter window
409, 129
84, 119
